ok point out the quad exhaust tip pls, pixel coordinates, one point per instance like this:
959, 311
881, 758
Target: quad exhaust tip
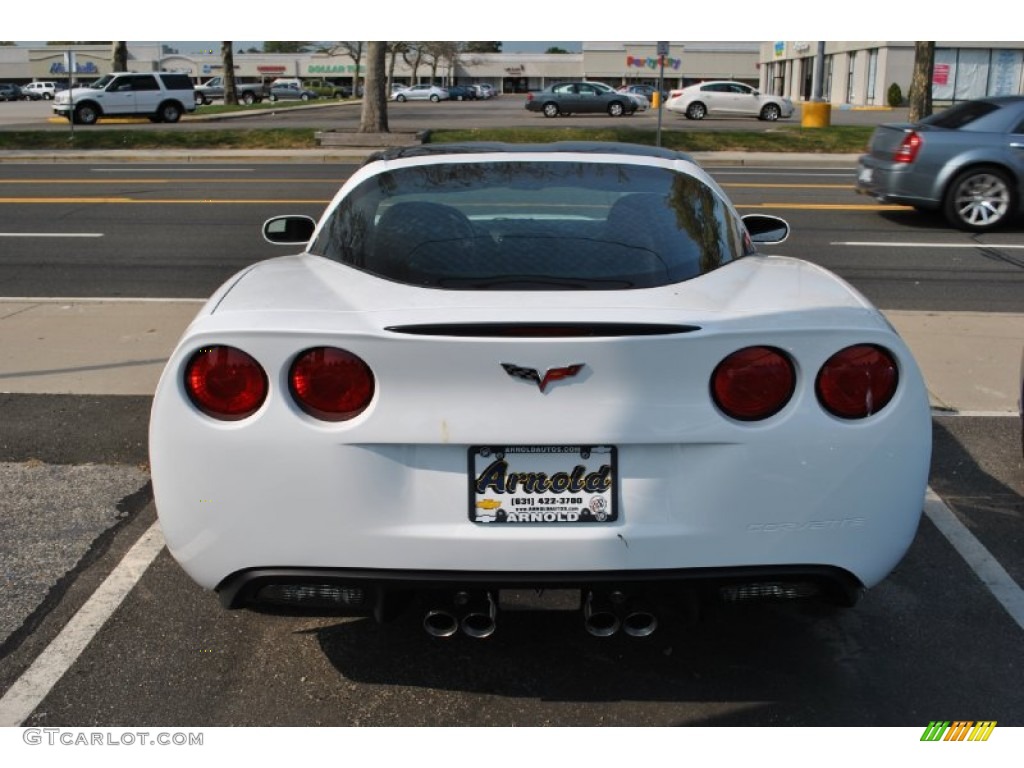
479, 617
604, 615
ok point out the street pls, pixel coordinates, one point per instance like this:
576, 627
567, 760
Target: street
933, 640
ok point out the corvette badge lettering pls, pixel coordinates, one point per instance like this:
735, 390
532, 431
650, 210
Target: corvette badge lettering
550, 375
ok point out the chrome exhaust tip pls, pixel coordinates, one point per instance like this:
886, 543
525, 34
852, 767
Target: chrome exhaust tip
481, 620
600, 621
440, 623
639, 623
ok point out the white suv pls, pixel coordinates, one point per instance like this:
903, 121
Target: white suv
47, 89
163, 97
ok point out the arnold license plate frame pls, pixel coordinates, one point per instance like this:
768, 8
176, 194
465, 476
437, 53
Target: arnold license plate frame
543, 484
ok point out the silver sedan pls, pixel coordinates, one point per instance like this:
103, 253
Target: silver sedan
967, 162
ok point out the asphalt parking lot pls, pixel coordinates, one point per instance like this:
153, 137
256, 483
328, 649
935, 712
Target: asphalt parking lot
938, 639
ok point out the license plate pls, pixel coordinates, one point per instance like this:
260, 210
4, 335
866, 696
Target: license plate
865, 175
542, 484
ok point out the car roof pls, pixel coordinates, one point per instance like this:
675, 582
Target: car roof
480, 147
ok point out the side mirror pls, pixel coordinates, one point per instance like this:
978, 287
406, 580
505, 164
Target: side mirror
288, 230
766, 229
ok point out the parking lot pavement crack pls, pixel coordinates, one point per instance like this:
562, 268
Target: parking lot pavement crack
58, 520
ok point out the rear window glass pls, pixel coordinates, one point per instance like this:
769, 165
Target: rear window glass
532, 226
961, 115
177, 82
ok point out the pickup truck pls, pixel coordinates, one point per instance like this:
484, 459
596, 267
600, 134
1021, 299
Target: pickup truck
248, 93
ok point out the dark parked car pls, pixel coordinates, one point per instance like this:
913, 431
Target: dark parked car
290, 91
967, 161
11, 92
572, 98
645, 90
461, 92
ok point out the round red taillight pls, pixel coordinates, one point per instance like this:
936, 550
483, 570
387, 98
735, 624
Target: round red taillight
331, 384
753, 383
225, 383
857, 381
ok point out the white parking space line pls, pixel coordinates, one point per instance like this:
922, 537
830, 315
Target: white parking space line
975, 414
992, 574
39, 679
51, 234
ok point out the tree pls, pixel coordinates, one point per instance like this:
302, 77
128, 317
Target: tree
394, 51
920, 95
436, 52
228, 59
279, 46
483, 47
555, 49
374, 117
354, 50
413, 51
119, 56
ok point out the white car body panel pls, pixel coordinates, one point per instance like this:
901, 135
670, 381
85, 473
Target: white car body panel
390, 488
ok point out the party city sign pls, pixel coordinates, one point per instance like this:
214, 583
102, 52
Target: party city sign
651, 62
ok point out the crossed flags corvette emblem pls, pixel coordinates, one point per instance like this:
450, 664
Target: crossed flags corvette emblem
550, 375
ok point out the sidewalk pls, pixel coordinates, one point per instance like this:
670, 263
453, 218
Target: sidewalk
970, 360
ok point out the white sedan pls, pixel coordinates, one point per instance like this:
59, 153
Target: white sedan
562, 368
725, 98
421, 92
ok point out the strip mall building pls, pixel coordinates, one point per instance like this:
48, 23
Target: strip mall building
855, 73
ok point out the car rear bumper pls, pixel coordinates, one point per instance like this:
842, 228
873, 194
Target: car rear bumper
369, 592
893, 183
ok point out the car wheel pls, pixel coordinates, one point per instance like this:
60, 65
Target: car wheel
272, 97
169, 112
86, 114
248, 98
47, 96
771, 112
435, 98
615, 109
696, 111
399, 97
979, 199
551, 109
304, 97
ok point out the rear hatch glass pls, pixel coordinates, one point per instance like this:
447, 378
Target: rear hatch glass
520, 225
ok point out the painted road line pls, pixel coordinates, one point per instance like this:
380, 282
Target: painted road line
739, 185
992, 574
827, 207
51, 234
164, 201
42, 182
96, 300
183, 169
870, 244
49, 667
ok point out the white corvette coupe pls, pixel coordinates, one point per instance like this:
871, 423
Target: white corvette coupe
497, 369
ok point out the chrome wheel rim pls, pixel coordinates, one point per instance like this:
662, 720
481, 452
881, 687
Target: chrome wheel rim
982, 200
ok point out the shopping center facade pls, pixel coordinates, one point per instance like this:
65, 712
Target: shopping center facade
610, 62
854, 73
861, 73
